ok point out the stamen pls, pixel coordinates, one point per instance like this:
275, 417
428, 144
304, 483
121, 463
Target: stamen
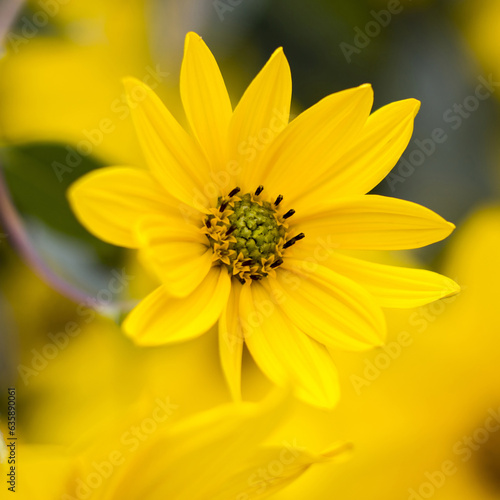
248, 235
277, 263
291, 242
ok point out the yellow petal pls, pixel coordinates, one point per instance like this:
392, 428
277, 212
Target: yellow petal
371, 222
176, 250
110, 201
285, 353
161, 319
394, 286
314, 141
378, 148
327, 306
171, 154
214, 443
260, 116
231, 342
205, 99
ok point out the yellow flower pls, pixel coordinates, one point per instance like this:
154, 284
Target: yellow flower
244, 221
216, 454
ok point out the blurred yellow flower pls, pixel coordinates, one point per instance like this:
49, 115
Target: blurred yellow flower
216, 454
481, 19
213, 217
64, 86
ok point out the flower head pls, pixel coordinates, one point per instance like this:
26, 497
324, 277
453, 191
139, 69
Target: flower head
245, 219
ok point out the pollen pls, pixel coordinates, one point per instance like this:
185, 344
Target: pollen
248, 235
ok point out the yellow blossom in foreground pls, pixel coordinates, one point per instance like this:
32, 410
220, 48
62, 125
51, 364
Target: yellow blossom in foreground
215, 454
244, 220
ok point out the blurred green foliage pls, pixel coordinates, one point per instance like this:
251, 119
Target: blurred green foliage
38, 190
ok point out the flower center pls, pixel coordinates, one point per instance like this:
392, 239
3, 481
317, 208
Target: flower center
248, 235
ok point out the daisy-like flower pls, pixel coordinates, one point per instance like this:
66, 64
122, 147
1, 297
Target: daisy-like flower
245, 219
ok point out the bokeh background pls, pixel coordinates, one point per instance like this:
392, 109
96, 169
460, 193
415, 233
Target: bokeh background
423, 412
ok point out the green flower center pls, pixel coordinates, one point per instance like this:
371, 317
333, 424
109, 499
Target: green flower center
258, 232
248, 235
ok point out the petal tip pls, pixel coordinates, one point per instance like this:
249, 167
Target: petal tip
338, 451
449, 227
367, 89
191, 35
279, 59
132, 84
416, 106
278, 54
451, 288
191, 38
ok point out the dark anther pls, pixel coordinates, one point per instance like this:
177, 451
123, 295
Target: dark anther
277, 263
259, 190
223, 206
230, 230
279, 199
248, 262
208, 223
241, 280
291, 242
256, 277
234, 191
289, 213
